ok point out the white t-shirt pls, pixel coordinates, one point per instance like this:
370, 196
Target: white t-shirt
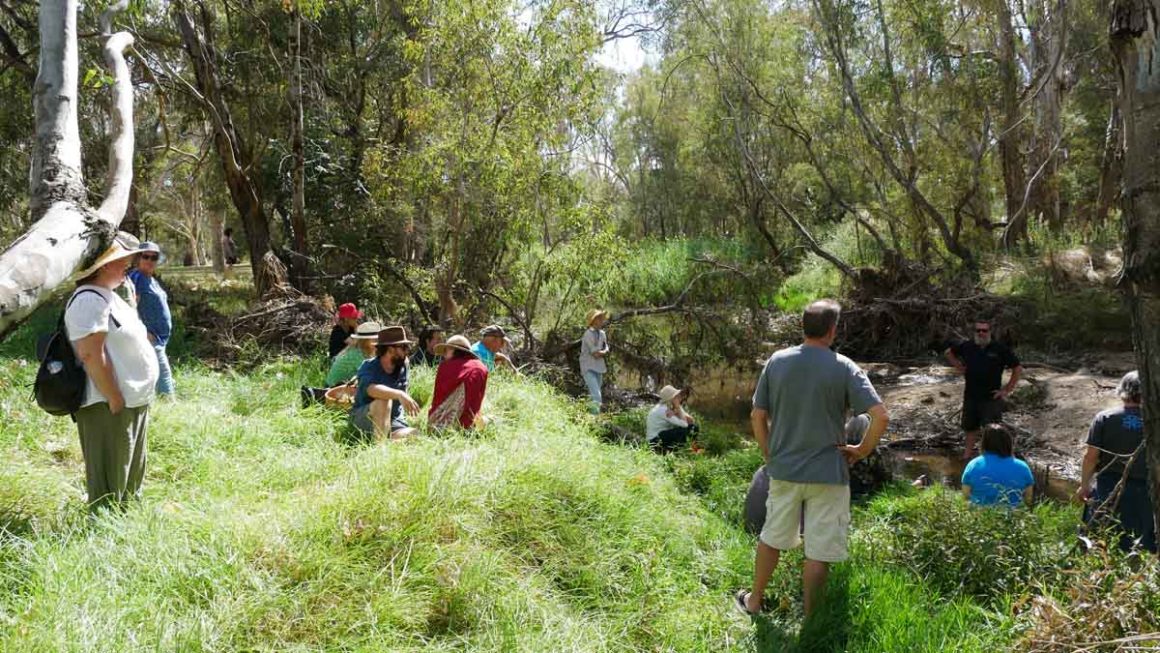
659, 420
127, 343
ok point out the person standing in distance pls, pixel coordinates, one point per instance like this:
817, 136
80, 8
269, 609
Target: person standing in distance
593, 350
982, 361
799, 415
153, 308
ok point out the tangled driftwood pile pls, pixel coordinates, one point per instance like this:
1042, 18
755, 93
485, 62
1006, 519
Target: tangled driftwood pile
898, 312
288, 322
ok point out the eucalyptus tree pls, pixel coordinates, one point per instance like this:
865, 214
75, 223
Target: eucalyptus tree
67, 231
1134, 41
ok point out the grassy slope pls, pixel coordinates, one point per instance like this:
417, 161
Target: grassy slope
259, 530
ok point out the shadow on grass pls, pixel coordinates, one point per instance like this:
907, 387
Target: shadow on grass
827, 631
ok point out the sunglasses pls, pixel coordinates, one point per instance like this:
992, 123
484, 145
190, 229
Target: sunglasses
149, 257
982, 330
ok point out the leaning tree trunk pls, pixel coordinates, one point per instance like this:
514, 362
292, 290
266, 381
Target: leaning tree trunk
1135, 39
67, 232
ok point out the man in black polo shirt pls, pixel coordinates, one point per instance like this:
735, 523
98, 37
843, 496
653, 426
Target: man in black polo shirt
982, 362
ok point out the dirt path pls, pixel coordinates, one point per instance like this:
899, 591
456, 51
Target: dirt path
1051, 409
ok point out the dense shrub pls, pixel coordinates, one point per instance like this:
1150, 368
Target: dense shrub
960, 549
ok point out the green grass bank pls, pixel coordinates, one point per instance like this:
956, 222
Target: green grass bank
261, 529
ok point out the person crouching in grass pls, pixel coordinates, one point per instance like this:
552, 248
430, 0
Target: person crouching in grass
997, 477
382, 389
351, 358
668, 426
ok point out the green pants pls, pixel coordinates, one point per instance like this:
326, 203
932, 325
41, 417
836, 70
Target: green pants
114, 451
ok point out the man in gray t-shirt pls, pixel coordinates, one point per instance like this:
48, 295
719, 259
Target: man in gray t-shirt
799, 413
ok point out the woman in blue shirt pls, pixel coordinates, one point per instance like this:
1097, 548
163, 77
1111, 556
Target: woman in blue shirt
153, 308
998, 478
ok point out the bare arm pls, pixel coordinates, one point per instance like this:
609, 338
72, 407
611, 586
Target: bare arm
380, 391
759, 418
1091, 459
879, 420
1028, 493
967, 492
1016, 372
91, 351
955, 362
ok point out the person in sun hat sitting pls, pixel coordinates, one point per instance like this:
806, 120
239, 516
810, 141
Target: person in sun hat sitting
153, 308
351, 358
460, 385
668, 425
492, 341
383, 382
593, 350
346, 321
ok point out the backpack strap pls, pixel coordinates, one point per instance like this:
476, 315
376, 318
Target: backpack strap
80, 292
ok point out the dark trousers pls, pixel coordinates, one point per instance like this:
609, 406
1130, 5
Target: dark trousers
1133, 513
670, 439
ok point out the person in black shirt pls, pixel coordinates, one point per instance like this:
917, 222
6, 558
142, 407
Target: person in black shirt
429, 338
1114, 438
344, 326
982, 362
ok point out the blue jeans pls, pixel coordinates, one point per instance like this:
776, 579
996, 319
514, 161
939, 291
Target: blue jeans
593, 380
165, 372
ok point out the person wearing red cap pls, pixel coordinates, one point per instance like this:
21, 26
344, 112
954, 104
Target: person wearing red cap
344, 327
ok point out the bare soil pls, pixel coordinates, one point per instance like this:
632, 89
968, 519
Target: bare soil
1051, 409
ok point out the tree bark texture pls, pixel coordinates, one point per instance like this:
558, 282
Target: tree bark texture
1011, 131
235, 157
67, 233
298, 269
1134, 36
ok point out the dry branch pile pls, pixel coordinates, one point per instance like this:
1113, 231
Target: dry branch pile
898, 312
289, 322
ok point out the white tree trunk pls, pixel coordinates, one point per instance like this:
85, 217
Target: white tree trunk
67, 231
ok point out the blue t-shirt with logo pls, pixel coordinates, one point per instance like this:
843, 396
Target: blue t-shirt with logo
370, 373
484, 354
996, 480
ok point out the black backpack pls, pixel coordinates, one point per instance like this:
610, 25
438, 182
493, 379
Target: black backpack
60, 380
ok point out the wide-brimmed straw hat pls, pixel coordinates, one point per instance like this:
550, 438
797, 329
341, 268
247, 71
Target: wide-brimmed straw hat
595, 313
393, 335
458, 343
124, 245
668, 393
367, 331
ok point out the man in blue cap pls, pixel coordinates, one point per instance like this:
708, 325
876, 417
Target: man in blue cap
153, 308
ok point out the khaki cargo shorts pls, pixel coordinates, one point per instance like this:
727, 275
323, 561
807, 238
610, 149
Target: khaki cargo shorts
827, 522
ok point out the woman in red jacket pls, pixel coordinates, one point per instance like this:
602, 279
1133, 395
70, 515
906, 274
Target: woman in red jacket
460, 384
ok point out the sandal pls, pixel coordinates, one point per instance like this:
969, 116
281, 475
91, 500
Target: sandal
741, 601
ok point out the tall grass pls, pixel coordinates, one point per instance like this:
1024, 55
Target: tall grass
261, 529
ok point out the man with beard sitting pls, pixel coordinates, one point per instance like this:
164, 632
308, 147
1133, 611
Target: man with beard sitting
382, 389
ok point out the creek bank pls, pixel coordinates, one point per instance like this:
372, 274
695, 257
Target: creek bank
1050, 411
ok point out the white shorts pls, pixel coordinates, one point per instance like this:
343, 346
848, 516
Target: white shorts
827, 523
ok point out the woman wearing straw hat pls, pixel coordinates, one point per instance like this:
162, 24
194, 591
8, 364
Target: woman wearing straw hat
460, 384
362, 347
113, 344
593, 349
668, 426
